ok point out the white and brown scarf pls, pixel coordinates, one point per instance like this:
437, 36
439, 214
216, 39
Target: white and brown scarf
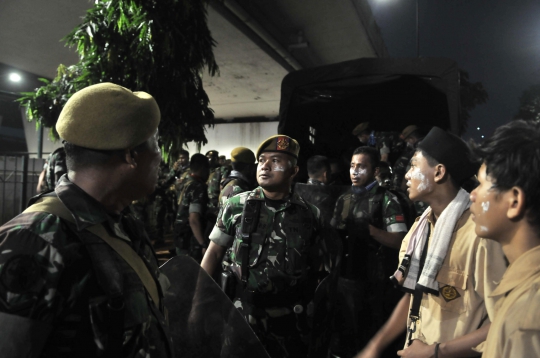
407, 273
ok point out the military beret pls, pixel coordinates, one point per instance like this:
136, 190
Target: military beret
280, 143
408, 131
452, 151
212, 153
362, 127
107, 116
242, 155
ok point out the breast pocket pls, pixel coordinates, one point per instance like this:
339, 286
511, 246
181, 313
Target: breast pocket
255, 250
453, 293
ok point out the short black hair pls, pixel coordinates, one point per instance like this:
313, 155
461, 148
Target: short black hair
183, 152
512, 158
198, 162
373, 153
78, 157
318, 164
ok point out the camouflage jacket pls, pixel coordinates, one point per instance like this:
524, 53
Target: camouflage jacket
285, 245
214, 185
358, 210
192, 198
50, 278
56, 167
401, 166
235, 184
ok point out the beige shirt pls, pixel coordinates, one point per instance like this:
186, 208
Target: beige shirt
515, 331
470, 272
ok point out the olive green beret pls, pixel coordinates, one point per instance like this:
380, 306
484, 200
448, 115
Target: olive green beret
364, 126
281, 144
408, 131
108, 117
242, 155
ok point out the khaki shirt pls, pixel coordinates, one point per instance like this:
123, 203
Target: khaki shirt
471, 269
515, 331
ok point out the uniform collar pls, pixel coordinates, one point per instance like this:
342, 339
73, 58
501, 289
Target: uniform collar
525, 266
314, 182
293, 198
236, 174
364, 189
86, 210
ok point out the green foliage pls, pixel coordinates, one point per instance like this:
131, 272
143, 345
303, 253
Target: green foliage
529, 104
157, 46
471, 94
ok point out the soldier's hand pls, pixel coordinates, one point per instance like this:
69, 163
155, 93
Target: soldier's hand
418, 349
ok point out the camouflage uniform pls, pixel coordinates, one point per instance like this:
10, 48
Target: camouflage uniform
235, 184
401, 166
193, 198
54, 274
214, 185
284, 260
323, 200
56, 167
367, 296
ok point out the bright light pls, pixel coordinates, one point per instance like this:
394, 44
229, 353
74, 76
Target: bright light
14, 77
477, 128
482, 137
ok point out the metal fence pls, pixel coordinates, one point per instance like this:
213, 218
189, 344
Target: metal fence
19, 175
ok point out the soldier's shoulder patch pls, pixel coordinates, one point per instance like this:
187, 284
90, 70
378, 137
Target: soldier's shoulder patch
20, 273
449, 293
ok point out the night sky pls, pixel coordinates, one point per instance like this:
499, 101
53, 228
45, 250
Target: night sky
496, 41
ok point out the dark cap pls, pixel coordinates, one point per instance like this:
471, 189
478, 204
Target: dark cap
450, 150
212, 153
281, 144
362, 127
408, 131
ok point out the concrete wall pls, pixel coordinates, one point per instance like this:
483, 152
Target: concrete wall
227, 136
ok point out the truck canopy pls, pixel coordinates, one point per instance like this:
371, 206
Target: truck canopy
321, 106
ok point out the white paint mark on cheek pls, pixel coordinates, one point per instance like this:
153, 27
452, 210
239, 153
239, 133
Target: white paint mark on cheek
483, 229
357, 173
417, 175
485, 206
278, 168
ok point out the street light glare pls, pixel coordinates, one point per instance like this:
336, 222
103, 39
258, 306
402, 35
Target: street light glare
477, 128
14, 77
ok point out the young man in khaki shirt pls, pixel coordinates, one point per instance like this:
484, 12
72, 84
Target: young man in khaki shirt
506, 209
444, 264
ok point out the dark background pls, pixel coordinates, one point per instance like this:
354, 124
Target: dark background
496, 41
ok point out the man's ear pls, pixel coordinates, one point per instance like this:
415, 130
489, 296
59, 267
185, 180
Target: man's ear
440, 173
294, 171
515, 198
131, 157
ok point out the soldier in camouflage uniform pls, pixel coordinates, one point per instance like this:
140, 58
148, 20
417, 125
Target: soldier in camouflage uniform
64, 291
242, 177
189, 225
54, 168
276, 254
166, 199
372, 225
